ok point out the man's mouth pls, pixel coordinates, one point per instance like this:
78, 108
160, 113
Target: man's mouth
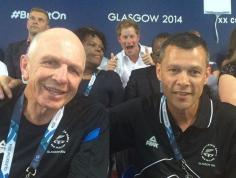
182, 93
129, 47
54, 91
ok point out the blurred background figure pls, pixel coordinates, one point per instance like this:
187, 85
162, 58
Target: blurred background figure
37, 22
231, 49
227, 81
100, 85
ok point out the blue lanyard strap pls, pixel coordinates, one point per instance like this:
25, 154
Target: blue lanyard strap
169, 131
12, 136
90, 84
178, 156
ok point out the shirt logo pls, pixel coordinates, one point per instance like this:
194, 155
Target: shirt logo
2, 146
59, 143
152, 142
208, 155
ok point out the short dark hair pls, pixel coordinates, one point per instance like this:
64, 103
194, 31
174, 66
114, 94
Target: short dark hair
85, 32
186, 41
36, 9
126, 23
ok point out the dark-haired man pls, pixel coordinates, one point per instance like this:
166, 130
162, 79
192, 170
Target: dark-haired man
182, 133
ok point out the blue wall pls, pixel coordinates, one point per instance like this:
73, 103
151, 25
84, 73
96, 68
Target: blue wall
157, 16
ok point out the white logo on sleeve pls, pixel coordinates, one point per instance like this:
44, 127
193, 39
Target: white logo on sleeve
2, 146
152, 142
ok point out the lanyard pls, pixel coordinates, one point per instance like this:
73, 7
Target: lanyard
90, 84
12, 136
171, 137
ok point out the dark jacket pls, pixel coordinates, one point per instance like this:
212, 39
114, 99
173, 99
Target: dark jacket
142, 82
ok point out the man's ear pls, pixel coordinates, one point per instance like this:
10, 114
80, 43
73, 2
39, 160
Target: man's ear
24, 67
158, 71
118, 39
208, 72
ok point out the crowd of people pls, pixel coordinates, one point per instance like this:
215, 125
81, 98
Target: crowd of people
162, 111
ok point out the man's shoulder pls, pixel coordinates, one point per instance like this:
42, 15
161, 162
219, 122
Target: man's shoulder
226, 109
142, 71
224, 113
146, 104
108, 74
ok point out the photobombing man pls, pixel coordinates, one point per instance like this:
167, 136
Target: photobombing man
133, 54
44, 132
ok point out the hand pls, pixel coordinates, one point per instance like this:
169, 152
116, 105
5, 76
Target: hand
112, 63
6, 86
147, 58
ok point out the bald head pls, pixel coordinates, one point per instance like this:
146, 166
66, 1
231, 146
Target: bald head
61, 37
54, 67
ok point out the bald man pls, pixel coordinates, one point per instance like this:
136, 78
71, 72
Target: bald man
44, 132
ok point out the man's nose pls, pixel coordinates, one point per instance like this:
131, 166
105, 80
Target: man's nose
183, 78
61, 74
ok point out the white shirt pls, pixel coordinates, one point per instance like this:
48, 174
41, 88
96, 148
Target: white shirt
125, 65
103, 64
3, 69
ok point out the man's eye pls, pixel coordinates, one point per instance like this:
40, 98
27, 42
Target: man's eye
92, 44
174, 70
195, 72
74, 71
50, 63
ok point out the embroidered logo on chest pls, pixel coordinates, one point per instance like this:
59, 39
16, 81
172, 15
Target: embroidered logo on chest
59, 143
208, 155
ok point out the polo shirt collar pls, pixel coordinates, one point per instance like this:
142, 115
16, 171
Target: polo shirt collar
205, 112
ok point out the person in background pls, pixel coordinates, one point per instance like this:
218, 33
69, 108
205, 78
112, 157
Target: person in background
37, 22
227, 81
133, 54
231, 49
182, 133
144, 82
100, 85
68, 136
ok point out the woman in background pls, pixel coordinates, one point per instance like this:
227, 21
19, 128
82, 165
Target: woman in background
227, 81
100, 85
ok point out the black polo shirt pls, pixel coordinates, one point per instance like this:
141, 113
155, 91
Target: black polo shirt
208, 146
